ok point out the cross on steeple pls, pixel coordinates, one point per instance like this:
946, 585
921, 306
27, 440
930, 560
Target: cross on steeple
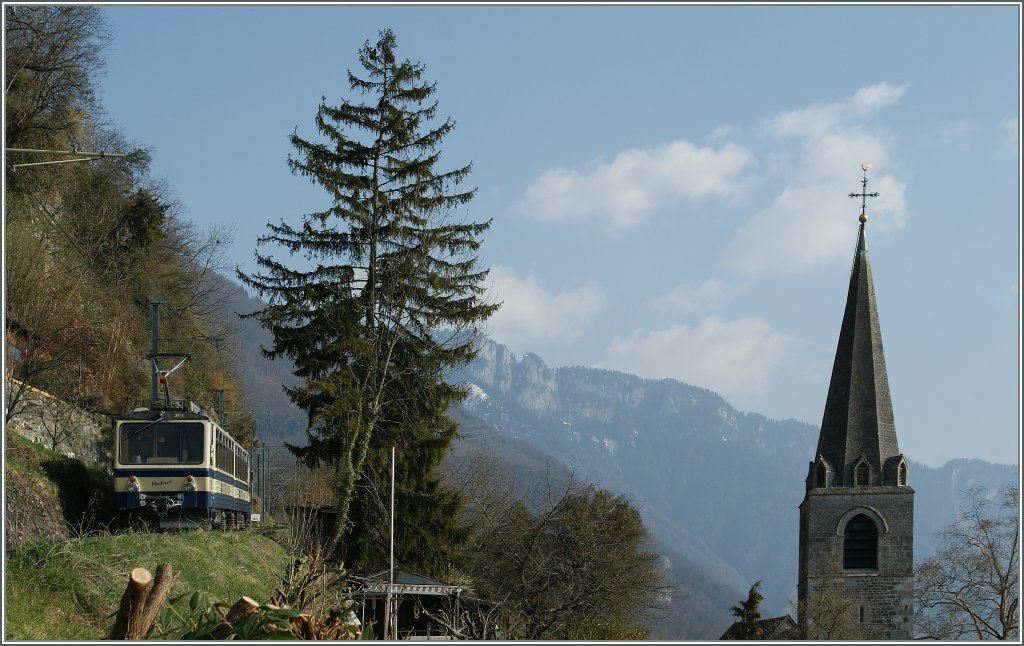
864, 195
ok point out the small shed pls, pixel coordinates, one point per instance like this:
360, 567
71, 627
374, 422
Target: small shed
411, 595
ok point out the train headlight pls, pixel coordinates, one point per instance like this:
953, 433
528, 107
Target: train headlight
190, 483
133, 484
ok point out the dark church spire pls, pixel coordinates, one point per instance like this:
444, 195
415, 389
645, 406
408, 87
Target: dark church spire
857, 518
858, 434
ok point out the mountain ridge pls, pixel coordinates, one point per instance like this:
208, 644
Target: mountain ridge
734, 479
719, 488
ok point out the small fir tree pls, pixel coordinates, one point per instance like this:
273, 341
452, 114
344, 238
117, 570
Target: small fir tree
749, 614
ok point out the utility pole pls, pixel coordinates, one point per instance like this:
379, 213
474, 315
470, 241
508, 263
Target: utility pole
161, 375
389, 605
251, 413
220, 409
267, 472
266, 477
394, 607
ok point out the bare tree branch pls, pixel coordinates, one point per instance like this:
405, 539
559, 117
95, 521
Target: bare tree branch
970, 587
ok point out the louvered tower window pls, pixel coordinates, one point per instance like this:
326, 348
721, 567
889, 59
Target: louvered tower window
902, 475
862, 474
860, 544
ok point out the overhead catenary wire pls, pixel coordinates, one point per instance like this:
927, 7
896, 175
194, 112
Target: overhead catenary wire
52, 219
82, 156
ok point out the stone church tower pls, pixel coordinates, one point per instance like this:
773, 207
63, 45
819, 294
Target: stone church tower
857, 517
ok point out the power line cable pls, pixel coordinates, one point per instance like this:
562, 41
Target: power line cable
27, 190
51, 218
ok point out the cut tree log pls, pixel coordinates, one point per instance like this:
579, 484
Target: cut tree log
132, 603
155, 599
243, 608
140, 608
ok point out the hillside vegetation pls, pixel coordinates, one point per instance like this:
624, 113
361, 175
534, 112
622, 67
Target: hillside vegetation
68, 585
89, 244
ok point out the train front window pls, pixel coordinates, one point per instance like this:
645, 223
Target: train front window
163, 443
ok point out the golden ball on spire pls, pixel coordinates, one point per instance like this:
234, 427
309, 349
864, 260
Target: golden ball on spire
863, 218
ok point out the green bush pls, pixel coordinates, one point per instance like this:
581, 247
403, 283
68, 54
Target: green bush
197, 616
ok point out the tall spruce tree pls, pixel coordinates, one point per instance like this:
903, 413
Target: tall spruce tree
389, 300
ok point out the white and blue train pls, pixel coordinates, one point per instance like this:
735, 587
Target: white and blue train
176, 468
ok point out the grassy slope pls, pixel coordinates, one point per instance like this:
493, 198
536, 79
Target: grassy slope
69, 590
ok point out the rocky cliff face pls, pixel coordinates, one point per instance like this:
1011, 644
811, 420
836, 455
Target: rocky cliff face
534, 385
493, 367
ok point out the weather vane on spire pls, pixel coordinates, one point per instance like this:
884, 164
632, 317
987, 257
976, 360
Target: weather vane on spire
864, 195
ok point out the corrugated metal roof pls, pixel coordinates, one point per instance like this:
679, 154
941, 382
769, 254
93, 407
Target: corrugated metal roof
405, 583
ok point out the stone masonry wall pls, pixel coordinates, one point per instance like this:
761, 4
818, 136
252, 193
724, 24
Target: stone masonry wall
89, 438
886, 594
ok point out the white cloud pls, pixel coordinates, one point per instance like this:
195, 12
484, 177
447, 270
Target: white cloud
875, 97
815, 120
811, 221
625, 190
733, 358
697, 299
724, 131
530, 312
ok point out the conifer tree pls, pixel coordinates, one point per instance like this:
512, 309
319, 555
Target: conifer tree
749, 614
388, 300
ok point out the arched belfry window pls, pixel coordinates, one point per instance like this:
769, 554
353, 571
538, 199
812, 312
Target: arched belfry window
820, 475
860, 544
863, 474
901, 475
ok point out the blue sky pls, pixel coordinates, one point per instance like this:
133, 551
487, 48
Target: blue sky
668, 184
